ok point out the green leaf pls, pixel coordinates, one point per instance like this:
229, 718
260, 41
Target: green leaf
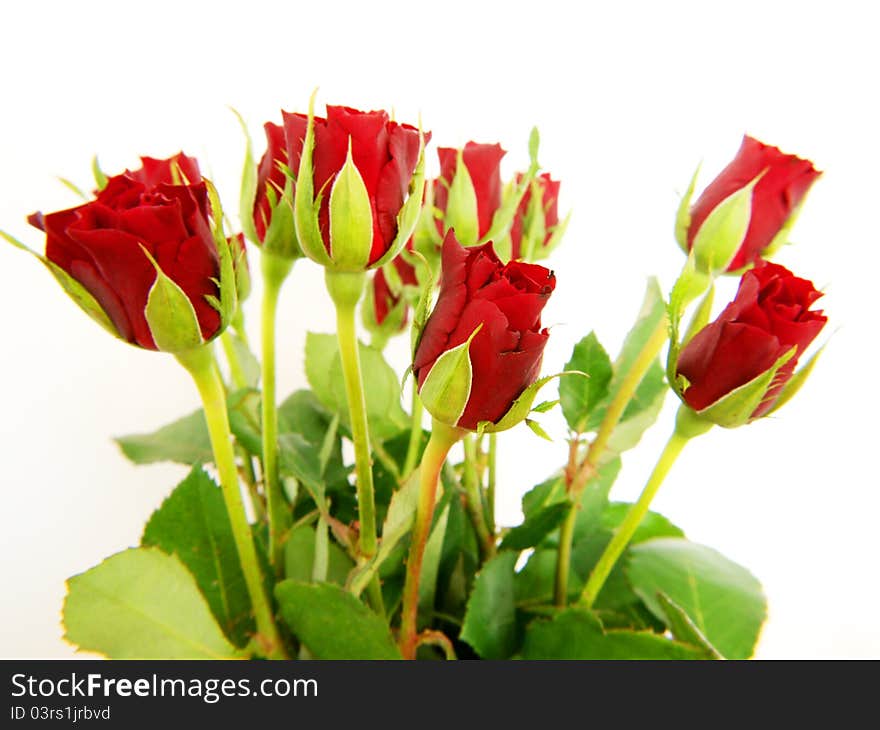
724, 601
323, 366
431, 563
490, 622
332, 623
579, 396
594, 499
653, 524
543, 495
184, 441
193, 524
578, 634
683, 628
299, 557
142, 604
535, 528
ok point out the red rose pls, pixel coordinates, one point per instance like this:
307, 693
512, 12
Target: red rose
270, 176
505, 301
483, 163
385, 154
549, 205
775, 198
101, 244
769, 315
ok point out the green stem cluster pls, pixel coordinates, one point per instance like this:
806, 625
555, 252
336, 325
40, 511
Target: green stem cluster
443, 438
345, 290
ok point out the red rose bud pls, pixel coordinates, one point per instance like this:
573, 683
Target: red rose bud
469, 195
142, 258
358, 190
481, 347
272, 202
240, 263
536, 220
748, 210
736, 368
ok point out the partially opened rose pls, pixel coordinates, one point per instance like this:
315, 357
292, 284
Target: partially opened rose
744, 213
736, 368
144, 244
536, 219
487, 318
358, 172
469, 198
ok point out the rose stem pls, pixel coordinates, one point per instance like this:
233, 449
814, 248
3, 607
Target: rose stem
200, 364
686, 428
473, 498
490, 486
236, 371
345, 290
275, 270
443, 438
415, 434
587, 469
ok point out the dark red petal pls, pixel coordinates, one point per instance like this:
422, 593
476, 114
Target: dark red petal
483, 162
724, 356
269, 174
155, 172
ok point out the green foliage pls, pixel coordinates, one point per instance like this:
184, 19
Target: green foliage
385, 415
722, 599
490, 622
578, 634
332, 623
579, 396
184, 441
142, 604
192, 524
299, 557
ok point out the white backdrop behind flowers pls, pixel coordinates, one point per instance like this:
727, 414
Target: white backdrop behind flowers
629, 97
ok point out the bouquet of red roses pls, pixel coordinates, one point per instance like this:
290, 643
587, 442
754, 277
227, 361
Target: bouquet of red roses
331, 523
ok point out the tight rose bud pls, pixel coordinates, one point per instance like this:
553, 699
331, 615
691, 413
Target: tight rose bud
361, 166
272, 209
736, 368
536, 219
386, 309
481, 348
470, 195
748, 210
142, 255
383, 297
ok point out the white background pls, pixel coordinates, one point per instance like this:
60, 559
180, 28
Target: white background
628, 97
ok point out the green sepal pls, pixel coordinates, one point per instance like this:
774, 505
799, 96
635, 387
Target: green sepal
305, 205
410, 213
422, 309
426, 237
796, 382
351, 218
690, 284
461, 206
534, 224
538, 430
447, 387
170, 314
724, 230
555, 239
76, 291
228, 303
503, 218
98, 173
736, 408
522, 406
248, 184
73, 187
683, 215
781, 238
701, 317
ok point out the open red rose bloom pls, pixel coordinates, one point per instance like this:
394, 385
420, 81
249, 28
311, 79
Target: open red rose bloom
769, 315
785, 181
384, 152
477, 289
161, 208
